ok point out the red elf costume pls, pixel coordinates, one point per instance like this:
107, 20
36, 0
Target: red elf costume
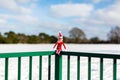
59, 43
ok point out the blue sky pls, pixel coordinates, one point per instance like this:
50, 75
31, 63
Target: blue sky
94, 17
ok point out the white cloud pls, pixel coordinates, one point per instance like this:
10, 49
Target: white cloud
33, 6
23, 1
23, 15
27, 1
54, 25
4, 25
4, 16
100, 20
18, 23
2, 21
26, 19
71, 10
12, 6
109, 15
35, 0
103, 1
87, 22
96, 1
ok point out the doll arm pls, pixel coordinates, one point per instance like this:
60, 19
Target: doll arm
64, 46
55, 45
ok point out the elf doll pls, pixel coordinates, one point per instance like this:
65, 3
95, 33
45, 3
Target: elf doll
59, 44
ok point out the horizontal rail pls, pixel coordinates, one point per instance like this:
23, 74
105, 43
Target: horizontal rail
43, 53
58, 63
99, 55
25, 54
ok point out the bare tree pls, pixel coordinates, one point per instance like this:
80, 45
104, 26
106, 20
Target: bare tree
114, 35
77, 35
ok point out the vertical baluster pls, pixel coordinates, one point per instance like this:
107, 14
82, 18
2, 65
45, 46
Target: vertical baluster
114, 69
58, 67
49, 67
68, 68
78, 67
40, 68
89, 68
6, 68
30, 68
101, 68
19, 68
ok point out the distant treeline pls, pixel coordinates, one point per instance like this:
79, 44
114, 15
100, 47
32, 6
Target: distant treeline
76, 35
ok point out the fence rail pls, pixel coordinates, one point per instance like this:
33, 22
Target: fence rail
58, 63
26, 54
90, 55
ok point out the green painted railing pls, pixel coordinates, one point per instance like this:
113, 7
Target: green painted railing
90, 55
58, 63
30, 55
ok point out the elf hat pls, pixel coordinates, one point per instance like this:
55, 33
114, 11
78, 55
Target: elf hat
60, 35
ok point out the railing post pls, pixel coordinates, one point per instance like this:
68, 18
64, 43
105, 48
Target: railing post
68, 68
78, 67
30, 68
101, 68
114, 69
6, 68
49, 67
19, 68
40, 67
58, 67
89, 68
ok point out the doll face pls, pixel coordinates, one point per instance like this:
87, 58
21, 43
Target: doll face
60, 39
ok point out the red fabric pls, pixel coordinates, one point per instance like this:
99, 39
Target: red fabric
59, 45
